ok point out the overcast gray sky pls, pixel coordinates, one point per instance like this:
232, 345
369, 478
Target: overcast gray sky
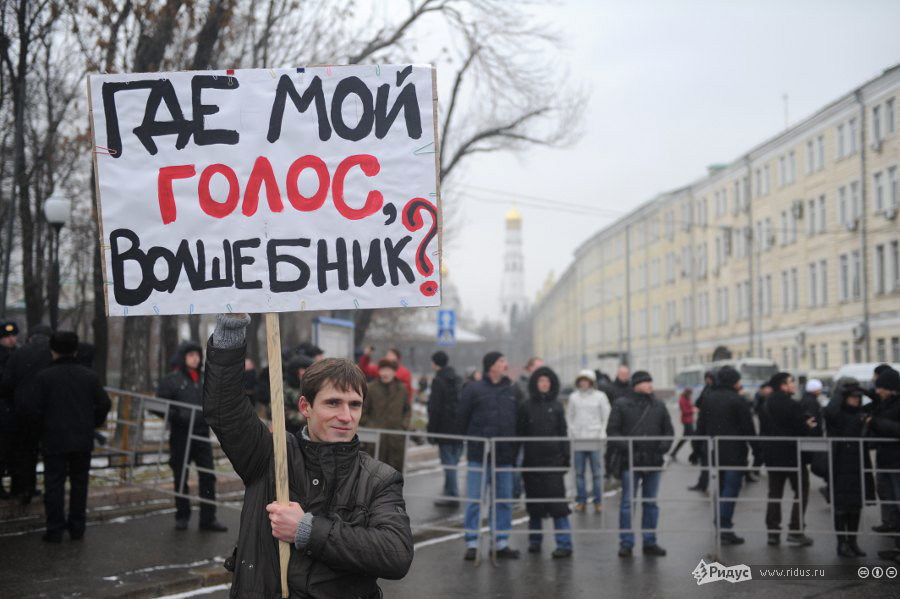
676, 86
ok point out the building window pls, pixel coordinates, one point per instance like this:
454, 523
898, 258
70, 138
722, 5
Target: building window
811, 217
840, 142
792, 166
876, 123
880, 350
795, 355
855, 203
813, 287
889, 115
768, 303
821, 213
812, 356
878, 192
769, 233
782, 171
736, 200
855, 272
842, 205
820, 152
785, 291
845, 352
823, 281
894, 188
854, 136
895, 349
844, 276
810, 157
784, 228
857, 352
759, 187
879, 270
824, 355
895, 266
767, 178
794, 288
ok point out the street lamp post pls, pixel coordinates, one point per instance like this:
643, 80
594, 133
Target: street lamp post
57, 210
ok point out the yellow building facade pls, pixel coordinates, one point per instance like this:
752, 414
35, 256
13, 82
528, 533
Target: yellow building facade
790, 252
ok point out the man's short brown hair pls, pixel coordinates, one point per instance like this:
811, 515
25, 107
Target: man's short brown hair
343, 375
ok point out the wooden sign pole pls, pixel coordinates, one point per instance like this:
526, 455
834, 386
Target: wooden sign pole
273, 338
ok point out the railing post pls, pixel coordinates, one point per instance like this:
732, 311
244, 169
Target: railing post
123, 461
712, 446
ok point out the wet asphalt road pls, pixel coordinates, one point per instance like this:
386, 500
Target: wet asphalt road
117, 555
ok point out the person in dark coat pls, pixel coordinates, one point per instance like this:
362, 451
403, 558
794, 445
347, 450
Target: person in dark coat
849, 419
726, 414
782, 416
346, 519
185, 385
890, 512
17, 387
387, 408
9, 331
293, 390
69, 403
543, 415
885, 423
489, 408
640, 414
443, 400
699, 450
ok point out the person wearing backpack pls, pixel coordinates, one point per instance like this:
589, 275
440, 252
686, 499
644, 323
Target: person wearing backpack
445, 391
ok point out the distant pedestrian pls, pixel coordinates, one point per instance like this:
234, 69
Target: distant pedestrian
17, 387
782, 416
542, 415
727, 414
686, 407
698, 447
531, 365
890, 512
489, 408
640, 414
185, 385
386, 407
621, 385
69, 404
849, 420
587, 415
885, 423
294, 421
393, 354
446, 388
8, 335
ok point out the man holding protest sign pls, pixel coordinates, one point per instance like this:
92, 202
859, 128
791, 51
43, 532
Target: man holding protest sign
346, 519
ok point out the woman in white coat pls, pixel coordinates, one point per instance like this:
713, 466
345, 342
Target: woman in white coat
586, 416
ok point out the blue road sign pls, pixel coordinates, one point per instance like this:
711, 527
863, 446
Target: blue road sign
446, 329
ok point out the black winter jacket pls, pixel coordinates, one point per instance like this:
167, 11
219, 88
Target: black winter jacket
69, 404
781, 416
625, 414
360, 531
489, 410
544, 416
21, 371
850, 490
179, 386
886, 423
443, 402
726, 413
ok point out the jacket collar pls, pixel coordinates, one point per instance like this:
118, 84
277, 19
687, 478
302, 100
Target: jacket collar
343, 454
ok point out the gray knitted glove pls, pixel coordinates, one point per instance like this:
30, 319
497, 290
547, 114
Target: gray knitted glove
231, 330
304, 530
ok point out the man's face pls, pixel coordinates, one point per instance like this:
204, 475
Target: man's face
543, 384
883, 393
334, 415
646, 387
623, 374
765, 391
536, 364
390, 355
192, 360
789, 386
8, 341
500, 367
387, 375
854, 400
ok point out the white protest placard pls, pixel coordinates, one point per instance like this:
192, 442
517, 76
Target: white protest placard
268, 190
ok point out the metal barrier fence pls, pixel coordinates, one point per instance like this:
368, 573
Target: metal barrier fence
136, 449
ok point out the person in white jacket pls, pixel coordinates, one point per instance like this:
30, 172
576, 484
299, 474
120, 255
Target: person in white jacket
586, 417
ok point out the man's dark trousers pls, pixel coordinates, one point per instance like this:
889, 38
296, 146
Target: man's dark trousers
76, 466
201, 455
776, 491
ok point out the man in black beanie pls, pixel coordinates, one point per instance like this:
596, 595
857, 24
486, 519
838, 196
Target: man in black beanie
69, 404
442, 403
488, 408
640, 414
885, 423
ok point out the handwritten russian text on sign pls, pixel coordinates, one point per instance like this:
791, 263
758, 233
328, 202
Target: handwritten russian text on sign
266, 190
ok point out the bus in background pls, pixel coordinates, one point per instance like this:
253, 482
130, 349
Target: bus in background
690, 377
